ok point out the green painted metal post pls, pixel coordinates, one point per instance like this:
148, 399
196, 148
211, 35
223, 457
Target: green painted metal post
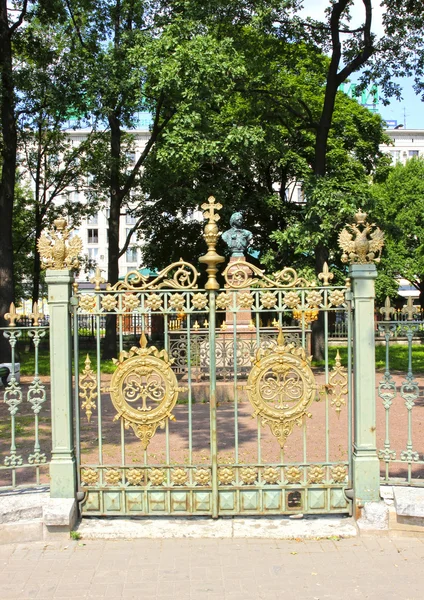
366, 466
63, 481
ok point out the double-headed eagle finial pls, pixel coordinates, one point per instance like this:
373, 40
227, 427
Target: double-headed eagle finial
361, 241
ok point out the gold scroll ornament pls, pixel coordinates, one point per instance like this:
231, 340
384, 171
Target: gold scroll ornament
144, 390
280, 387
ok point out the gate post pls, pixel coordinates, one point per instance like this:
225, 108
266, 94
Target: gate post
59, 254
366, 465
63, 481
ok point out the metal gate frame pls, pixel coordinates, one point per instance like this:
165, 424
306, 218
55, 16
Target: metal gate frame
266, 361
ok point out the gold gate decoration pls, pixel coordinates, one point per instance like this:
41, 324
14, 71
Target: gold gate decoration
280, 387
144, 390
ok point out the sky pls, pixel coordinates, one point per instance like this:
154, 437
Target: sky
411, 108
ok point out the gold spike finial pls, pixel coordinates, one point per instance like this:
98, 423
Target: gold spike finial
143, 340
211, 235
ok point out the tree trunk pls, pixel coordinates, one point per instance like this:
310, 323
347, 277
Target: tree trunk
8, 174
110, 341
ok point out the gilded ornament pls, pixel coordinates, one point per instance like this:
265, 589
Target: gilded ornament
35, 316
241, 274
97, 279
291, 299
268, 300
177, 301
57, 250
89, 476
178, 275
134, 476
337, 385
270, 475
12, 316
361, 242
314, 299
112, 476
154, 302
281, 387
326, 276
109, 302
144, 390
387, 310
131, 302
308, 316
293, 475
199, 301
339, 473
202, 476
88, 387
223, 300
211, 235
156, 476
336, 298
248, 475
226, 475
179, 476
87, 303
245, 300
316, 474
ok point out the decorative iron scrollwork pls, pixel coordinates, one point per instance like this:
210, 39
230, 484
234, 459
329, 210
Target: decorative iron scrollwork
240, 274
178, 275
144, 390
280, 387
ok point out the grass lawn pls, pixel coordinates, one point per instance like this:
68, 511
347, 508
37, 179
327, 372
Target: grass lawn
398, 359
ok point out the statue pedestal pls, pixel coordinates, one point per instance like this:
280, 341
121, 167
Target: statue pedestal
243, 315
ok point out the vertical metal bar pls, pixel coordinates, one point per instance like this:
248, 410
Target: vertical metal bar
98, 374
327, 421
190, 399
349, 390
236, 447
212, 403
76, 398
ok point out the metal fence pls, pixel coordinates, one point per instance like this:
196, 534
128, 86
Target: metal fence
25, 425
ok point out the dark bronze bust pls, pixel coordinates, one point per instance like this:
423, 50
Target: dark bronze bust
236, 238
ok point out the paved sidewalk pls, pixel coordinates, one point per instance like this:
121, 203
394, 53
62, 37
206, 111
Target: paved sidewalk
215, 569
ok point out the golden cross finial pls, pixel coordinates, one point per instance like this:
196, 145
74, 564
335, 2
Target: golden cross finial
97, 279
209, 208
12, 315
205, 323
196, 325
387, 309
325, 276
224, 326
409, 309
35, 315
275, 323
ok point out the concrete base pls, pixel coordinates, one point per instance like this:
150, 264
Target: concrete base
409, 501
198, 527
32, 516
375, 517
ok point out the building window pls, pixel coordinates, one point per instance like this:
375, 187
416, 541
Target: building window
131, 254
395, 154
93, 253
130, 219
93, 220
300, 195
413, 153
92, 236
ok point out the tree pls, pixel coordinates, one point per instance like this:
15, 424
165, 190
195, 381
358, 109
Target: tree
399, 204
12, 17
143, 56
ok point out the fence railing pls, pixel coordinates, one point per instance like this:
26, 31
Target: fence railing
25, 425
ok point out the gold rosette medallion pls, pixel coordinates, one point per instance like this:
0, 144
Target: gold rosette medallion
281, 387
144, 390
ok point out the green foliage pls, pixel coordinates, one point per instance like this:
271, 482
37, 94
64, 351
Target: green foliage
399, 204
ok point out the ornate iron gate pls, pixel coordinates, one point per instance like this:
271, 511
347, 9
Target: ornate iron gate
217, 409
